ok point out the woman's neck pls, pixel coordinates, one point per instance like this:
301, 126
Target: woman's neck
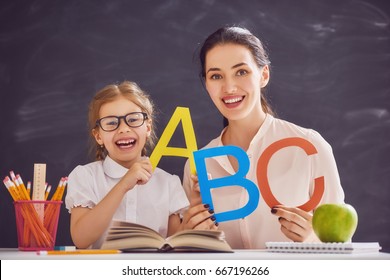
241, 132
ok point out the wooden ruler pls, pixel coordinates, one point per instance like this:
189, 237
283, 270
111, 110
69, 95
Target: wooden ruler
39, 187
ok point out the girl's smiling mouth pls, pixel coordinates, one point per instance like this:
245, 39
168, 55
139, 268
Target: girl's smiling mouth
126, 143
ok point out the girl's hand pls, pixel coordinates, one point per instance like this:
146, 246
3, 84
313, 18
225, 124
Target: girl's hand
295, 223
139, 173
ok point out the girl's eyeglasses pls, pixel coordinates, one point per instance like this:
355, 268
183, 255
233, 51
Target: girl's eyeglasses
110, 123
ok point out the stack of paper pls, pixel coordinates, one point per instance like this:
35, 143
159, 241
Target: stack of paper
342, 248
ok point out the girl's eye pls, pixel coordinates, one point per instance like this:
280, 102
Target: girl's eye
112, 123
132, 120
242, 72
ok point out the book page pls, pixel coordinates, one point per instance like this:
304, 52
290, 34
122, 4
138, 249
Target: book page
124, 235
129, 236
211, 240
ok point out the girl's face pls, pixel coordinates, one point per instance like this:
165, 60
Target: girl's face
233, 81
125, 144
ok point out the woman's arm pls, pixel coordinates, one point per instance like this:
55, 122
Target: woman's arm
295, 223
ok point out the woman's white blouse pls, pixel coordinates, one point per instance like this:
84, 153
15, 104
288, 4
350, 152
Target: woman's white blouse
291, 174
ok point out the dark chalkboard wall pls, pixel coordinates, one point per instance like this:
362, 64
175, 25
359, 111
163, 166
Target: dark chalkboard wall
330, 71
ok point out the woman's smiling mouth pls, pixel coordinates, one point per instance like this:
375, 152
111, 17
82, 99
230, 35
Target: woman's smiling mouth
232, 101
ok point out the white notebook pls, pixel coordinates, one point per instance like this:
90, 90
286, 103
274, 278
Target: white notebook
341, 248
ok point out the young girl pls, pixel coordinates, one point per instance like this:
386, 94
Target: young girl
121, 184
235, 70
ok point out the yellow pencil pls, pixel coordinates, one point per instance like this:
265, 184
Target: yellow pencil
11, 188
47, 192
62, 189
19, 185
29, 188
59, 186
22, 187
79, 252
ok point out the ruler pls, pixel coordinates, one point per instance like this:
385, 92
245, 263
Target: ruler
39, 187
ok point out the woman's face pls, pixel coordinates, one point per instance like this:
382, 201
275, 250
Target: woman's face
234, 80
125, 144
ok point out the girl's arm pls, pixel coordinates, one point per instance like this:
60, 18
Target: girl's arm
173, 224
88, 225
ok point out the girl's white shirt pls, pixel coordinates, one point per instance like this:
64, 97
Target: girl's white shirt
150, 204
291, 174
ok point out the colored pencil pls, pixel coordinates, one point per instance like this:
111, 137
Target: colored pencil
79, 252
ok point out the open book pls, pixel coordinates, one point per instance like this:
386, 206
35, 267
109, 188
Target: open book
134, 237
340, 248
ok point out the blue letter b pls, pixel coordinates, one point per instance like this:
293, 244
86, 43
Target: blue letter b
237, 179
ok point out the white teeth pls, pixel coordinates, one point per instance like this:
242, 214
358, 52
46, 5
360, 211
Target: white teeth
232, 100
125, 142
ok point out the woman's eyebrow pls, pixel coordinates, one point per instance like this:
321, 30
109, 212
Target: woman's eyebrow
213, 69
239, 65
233, 67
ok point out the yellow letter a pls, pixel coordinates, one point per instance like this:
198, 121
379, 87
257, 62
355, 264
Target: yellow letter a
162, 148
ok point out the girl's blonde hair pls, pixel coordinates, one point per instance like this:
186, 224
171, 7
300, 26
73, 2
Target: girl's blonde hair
132, 92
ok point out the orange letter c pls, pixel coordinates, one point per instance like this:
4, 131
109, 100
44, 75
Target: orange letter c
262, 178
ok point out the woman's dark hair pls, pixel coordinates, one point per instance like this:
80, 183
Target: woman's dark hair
243, 37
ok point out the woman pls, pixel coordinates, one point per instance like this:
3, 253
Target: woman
235, 70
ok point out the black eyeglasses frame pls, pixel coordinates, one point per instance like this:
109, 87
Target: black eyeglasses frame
145, 117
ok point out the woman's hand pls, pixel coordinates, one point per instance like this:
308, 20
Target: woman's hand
198, 216
295, 223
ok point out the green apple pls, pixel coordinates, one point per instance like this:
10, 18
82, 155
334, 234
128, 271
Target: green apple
335, 222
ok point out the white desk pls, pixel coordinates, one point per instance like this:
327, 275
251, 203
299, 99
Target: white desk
14, 254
